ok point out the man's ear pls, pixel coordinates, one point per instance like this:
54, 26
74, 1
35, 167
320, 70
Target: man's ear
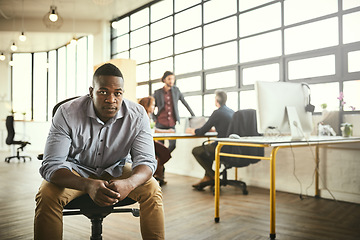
91, 90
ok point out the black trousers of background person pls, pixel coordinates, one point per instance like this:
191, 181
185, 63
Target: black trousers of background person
205, 155
172, 143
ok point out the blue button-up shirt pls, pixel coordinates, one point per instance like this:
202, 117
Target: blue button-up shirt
78, 140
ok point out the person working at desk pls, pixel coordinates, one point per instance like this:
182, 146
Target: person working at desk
162, 153
220, 119
166, 100
91, 144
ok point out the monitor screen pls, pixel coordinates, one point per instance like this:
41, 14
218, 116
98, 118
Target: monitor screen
283, 107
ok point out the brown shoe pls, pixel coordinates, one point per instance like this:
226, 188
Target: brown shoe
204, 179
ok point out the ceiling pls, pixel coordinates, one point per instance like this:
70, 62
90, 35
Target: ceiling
80, 17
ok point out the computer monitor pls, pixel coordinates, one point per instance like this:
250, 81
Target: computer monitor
285, 108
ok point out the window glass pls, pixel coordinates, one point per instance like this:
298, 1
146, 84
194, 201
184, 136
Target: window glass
219, 31
247, 4
190, 84
40, 86
270, 18
188, 62
120, 27
209, 104
195, 103
325, 93
162, 48
162, 28
139, 37
351, 95
188, 19
142, 91
158, 68
156, 86
124, 55
347, 4
221, 79
180, 5
312, 67
142, 72
61, 74
220, 55
188, 40
82, 73
21, 88
52, 91
70, 71
232, 100
248, 100
351, 29
139, 19
311, 36
266, 73
354, 61
216, 9
301, 10
260, 47
120, 44
140, 54
161, 9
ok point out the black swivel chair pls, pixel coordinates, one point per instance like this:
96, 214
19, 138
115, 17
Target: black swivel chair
243, 124
85, 205
10, 140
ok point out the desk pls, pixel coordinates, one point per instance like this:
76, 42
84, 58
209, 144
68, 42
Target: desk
275, 144
173, 136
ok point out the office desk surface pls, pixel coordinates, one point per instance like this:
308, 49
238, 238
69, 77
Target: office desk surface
172, 136
275, 143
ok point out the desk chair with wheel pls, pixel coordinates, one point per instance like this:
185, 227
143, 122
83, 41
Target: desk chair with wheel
85, 205
10, 140
243, 124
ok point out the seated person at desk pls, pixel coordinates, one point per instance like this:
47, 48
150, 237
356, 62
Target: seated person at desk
99, 144
162, 153
220, 119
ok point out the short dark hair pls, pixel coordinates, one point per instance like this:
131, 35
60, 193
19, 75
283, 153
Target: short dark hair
107, 69
221, 97
167, 73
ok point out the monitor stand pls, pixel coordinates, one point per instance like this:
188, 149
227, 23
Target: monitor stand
296, 129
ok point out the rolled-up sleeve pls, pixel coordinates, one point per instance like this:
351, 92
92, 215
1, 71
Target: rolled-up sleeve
142, 150
57, 147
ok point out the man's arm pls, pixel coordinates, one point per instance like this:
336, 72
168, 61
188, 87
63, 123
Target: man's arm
98, 190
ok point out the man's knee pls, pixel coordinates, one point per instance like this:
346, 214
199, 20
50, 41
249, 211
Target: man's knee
197, 151
147, 191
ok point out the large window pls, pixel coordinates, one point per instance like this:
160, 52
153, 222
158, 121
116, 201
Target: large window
231, 44
40, 80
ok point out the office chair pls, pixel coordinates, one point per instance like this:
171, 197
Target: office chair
85, 205
243, 123
10, 140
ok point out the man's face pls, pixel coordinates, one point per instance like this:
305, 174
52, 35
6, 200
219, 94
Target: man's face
169, 80
107, 95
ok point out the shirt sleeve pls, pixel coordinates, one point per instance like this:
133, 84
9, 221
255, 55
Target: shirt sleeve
207, 126
57, 146
142, 150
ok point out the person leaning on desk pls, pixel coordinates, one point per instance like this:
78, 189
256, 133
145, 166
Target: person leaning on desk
100, 144
220, 119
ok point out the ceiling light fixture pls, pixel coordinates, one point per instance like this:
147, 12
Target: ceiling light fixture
22, 37
2, 57
13, 47
52, 19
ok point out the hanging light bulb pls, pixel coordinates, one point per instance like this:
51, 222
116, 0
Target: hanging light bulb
11, 63
73, 40
22, 37
2, 57
13, 47
53, 14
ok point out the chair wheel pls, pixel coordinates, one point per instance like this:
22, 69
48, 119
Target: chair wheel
245, 192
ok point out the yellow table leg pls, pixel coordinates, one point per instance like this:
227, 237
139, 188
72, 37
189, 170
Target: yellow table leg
272, 192
217, 182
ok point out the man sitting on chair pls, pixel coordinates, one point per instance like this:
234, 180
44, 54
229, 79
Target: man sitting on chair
92, 141
220, 119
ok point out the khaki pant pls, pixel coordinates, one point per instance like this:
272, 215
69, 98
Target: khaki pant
51, 199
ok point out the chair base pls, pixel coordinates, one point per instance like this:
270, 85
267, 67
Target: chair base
7, 159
